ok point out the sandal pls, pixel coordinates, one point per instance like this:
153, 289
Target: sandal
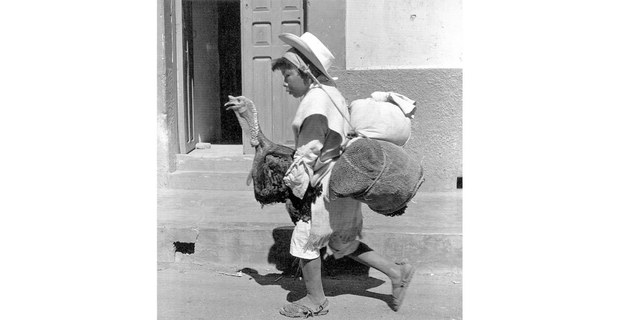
399, 290
298, 310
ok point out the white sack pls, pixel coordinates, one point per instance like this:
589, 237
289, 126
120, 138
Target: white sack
380, 120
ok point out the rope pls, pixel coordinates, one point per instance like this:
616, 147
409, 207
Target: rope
306, 70
385, 165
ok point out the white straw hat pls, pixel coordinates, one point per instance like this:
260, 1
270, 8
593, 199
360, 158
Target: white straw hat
313, 49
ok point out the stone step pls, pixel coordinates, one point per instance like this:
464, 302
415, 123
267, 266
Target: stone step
220, 167
232, 163
229, 226
209, 180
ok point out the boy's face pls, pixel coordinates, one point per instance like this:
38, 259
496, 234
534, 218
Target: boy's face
294, 83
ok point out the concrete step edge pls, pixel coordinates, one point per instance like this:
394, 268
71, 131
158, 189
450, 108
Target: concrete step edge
215, 171
227, 226
218, 164
208, 180
437, 251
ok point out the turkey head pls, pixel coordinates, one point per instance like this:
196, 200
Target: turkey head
271, 161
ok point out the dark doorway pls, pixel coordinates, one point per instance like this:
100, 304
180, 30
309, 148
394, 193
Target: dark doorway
229, 44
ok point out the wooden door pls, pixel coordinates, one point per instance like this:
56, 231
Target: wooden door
261, 23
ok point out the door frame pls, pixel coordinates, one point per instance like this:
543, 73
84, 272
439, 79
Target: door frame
184, 145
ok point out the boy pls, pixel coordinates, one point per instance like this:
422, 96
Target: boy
320, 131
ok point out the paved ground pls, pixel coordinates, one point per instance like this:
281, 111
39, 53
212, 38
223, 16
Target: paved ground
213, 291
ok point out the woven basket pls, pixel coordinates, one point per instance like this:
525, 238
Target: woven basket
377, 173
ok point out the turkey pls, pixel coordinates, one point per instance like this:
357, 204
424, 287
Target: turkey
271, 161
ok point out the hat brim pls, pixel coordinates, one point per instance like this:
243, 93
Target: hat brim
297, 43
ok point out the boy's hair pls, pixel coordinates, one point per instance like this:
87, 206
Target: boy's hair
283, 64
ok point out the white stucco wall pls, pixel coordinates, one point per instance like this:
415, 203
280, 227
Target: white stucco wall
396, 34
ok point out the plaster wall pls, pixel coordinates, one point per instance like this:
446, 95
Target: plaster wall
326, 20
167, 132
437, 126
390, 34
413, 48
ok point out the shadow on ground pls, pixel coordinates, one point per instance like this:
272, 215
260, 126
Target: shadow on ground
340, 276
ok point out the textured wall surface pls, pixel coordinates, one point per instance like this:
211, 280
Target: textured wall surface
437, 126
388, 34
167, 132
326, 20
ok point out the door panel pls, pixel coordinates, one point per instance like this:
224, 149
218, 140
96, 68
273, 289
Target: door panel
262, 21
198, 73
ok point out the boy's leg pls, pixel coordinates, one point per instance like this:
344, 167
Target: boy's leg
310, 262
314, 303
400, 274
311, 270
371, 258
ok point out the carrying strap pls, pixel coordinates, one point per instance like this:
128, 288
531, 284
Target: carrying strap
307, 71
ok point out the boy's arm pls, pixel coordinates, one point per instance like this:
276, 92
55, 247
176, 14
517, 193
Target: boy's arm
310, 141
312, 135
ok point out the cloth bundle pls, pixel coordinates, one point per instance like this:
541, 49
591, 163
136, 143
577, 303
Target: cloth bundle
385, 116
377, 173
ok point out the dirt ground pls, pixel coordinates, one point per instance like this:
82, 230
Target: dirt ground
212, 291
